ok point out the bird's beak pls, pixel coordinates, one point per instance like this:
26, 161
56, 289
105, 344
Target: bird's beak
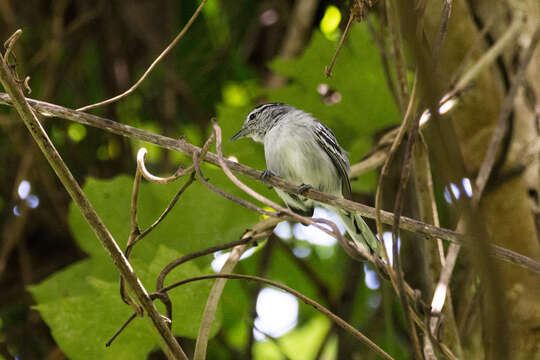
242, 133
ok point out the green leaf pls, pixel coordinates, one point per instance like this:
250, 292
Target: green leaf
82, 324
82, 304
366, 103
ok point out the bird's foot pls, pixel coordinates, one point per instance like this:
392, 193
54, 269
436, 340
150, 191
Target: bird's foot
303, 188
265, 175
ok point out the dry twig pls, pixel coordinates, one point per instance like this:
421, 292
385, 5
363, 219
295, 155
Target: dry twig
169, 343
182, 146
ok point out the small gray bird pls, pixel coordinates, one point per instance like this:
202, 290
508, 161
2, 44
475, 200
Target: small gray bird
302, 150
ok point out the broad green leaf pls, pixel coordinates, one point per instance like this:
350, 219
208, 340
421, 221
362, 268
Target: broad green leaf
366, 104
82, 324
82, 303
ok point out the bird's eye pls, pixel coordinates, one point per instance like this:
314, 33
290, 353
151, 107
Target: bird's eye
252, 116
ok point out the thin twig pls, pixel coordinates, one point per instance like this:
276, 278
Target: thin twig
182, 146
8, 44
119, 331
212, 302
134, 231
342, 323
249, 237
167, 210
441, 290
281, 210
259, 231
384, 172
398, 206
328, 69
141, 155
154, 63
168, 342
141, 169
225, 194
428, 213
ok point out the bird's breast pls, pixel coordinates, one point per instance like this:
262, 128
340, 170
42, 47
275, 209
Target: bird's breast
292, 153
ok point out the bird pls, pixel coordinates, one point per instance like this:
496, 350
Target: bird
302, 150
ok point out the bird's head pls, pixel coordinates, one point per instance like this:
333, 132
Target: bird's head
261, 119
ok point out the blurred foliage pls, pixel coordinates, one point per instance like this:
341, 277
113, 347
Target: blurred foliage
211, 71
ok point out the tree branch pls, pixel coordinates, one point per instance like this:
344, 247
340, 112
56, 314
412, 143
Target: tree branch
168, 342
182, 146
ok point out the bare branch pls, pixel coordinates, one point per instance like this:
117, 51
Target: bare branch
428, 213
328, 69
134, 231
281, 210
168, 342
178, 173
182, 146
213, 300
135, 234
378, 195
250, 236
413, 128
371, 162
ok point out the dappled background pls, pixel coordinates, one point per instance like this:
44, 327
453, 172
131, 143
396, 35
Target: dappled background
59, 293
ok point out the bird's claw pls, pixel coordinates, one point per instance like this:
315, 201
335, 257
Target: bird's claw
266, 174
304, 187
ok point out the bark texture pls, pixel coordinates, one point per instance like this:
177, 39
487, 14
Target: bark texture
508, 205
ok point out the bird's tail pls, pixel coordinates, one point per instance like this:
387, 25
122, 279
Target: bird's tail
360, 232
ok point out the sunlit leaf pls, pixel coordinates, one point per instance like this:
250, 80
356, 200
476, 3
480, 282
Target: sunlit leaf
330, 22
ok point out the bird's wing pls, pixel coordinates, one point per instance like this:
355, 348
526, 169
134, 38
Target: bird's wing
327, 141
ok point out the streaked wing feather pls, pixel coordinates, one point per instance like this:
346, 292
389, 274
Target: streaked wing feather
327, 141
